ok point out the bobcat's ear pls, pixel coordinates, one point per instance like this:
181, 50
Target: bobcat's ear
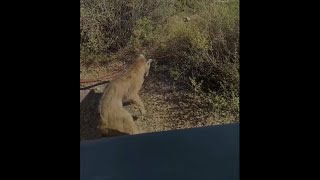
149, 61
148, 66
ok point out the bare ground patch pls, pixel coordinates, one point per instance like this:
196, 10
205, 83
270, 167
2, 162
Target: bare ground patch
169, 105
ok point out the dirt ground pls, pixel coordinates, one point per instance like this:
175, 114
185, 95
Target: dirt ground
169, 105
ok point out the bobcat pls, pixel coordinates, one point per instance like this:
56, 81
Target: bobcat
124, 88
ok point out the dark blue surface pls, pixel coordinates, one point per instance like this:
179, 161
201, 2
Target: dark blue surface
199, 153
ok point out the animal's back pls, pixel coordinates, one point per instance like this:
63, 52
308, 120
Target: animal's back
113, 115
110, 99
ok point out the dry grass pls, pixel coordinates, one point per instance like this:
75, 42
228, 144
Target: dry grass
194, 42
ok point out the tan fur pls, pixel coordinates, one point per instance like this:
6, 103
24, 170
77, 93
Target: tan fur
124, 88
